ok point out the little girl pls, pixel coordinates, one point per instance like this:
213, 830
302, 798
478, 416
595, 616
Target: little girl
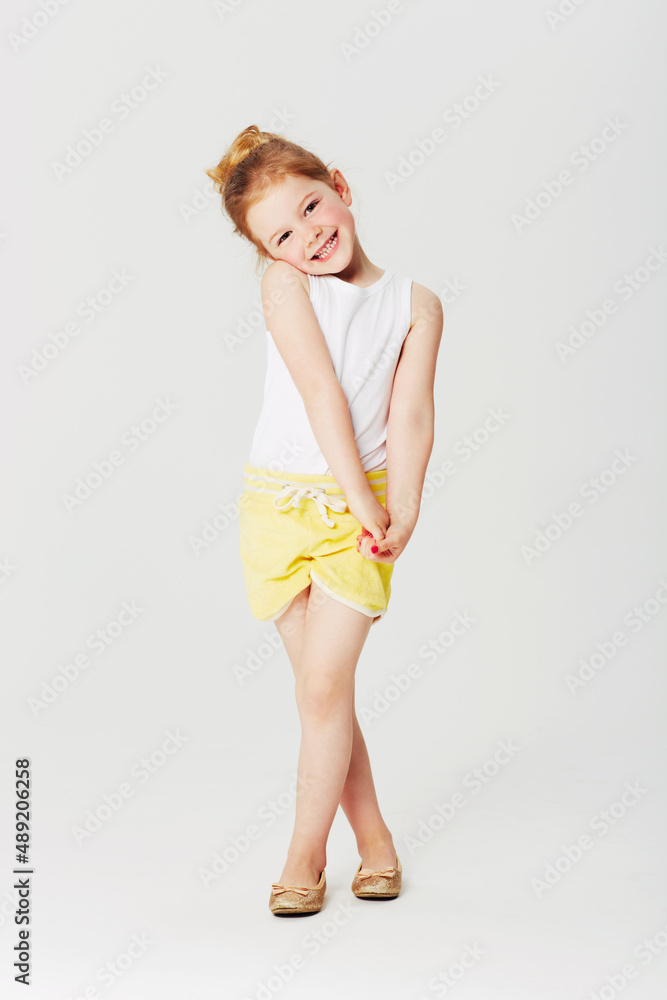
333, 484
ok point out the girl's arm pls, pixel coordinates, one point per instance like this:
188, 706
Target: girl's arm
291, 321
410, 426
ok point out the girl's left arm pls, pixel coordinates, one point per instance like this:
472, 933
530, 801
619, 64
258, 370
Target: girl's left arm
410, 427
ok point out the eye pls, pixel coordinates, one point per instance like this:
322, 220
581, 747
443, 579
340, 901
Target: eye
312, 205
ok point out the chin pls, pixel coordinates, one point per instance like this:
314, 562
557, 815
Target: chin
341, 263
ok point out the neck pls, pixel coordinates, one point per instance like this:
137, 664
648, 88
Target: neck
360, 271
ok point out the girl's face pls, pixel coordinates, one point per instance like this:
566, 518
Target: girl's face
306, 223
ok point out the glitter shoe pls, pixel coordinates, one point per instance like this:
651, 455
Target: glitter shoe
291, 900
384, 883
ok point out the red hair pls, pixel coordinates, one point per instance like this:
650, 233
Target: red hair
253, 163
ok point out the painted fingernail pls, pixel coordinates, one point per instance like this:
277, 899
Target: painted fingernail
374, 548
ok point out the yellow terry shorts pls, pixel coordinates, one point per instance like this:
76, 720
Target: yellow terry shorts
295, 528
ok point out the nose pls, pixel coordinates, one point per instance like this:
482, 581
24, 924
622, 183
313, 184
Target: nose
312, 235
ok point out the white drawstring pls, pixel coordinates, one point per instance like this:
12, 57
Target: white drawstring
322, 500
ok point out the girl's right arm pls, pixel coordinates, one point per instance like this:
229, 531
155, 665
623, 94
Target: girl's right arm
291, 321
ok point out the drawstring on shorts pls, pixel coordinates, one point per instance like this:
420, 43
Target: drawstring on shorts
294, 492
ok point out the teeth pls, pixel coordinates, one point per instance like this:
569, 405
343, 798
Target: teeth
327, 246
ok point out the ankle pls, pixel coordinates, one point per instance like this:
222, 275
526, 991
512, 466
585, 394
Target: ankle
380, 839
299, 858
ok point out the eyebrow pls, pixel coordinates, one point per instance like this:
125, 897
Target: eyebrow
281, 230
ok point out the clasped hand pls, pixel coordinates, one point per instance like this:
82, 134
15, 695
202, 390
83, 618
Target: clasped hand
378, 530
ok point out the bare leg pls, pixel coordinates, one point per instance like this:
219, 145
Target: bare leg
360, 805
358, 798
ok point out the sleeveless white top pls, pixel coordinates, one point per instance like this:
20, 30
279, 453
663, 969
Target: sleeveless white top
364, 329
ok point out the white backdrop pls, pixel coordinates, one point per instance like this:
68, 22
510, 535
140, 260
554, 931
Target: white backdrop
511, 157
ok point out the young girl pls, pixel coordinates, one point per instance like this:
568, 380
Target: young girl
332, 487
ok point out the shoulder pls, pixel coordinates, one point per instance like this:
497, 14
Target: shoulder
422, 341
426, 307
412, 389
281, 277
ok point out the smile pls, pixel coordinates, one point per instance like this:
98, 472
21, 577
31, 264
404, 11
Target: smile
325, 251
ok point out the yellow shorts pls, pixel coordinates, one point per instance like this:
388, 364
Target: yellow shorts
295, 528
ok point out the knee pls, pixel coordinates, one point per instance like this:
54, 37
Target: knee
319, 692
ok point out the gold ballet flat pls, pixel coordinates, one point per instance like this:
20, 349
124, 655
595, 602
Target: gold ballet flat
384, 883
291, 900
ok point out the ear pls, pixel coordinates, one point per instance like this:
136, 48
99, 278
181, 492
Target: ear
341, 186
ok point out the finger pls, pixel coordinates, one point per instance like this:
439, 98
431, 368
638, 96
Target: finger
365, 548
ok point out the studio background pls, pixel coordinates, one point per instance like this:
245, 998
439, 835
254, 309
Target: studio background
162, 785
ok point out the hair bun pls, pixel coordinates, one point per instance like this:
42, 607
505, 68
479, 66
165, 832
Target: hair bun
244, 143
249, 169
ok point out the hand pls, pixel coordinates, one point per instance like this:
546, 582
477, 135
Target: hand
370, 513
390, 547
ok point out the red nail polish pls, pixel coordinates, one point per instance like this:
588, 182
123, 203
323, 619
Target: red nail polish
374, 548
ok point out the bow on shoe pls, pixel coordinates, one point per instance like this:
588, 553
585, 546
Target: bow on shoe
385, 872
278, 888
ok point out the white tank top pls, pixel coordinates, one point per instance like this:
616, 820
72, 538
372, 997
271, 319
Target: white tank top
364, 329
